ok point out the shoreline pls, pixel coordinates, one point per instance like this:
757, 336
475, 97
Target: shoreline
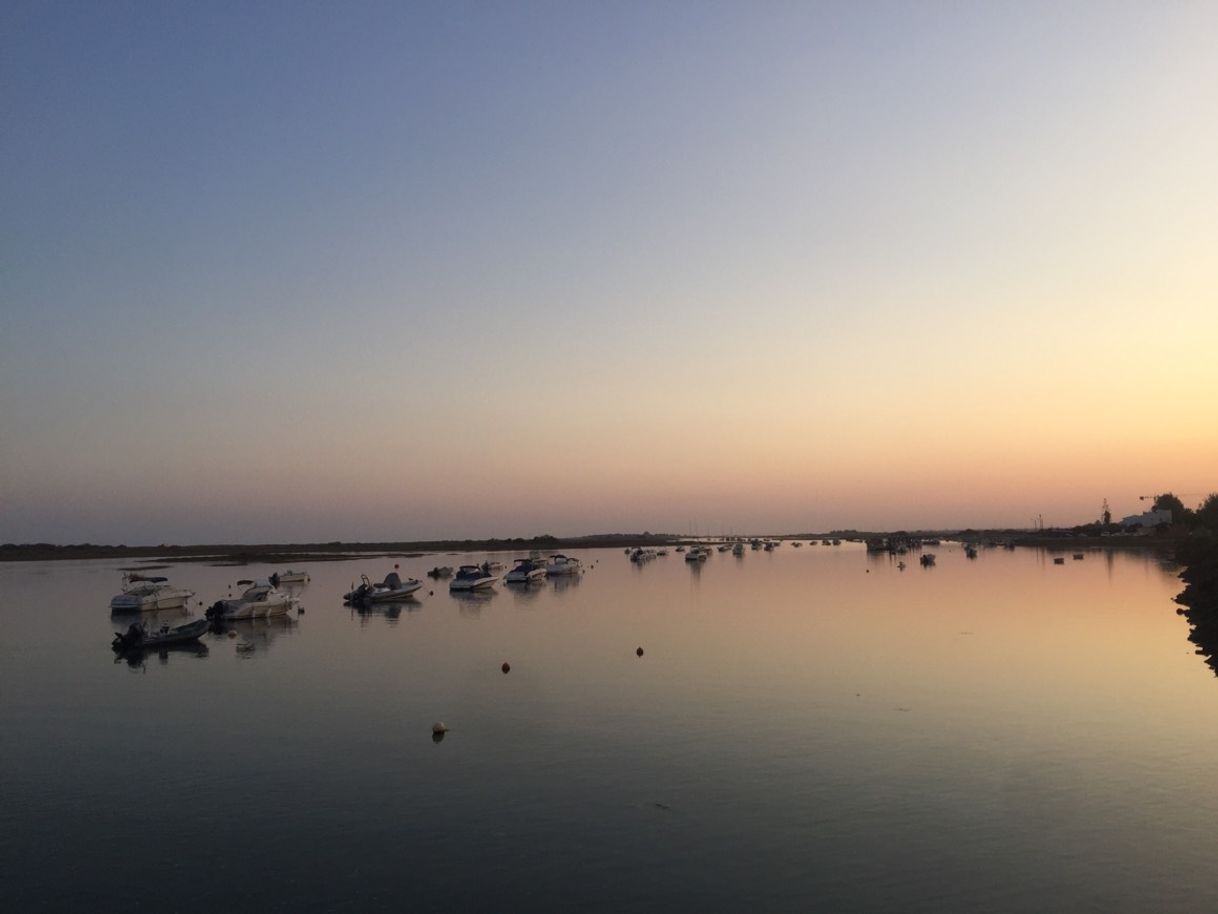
244, 554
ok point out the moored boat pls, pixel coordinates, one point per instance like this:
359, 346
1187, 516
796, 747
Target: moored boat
471, 577
525, 571
147, 594
260, 600
390, 590
562, 564
289, 577
138, 636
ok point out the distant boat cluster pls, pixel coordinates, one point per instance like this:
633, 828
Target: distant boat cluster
264, 597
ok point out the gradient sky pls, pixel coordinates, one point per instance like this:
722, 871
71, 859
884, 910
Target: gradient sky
303, 271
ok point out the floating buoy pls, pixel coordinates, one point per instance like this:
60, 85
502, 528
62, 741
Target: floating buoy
639, 652
431, 593
439, 727
507, 667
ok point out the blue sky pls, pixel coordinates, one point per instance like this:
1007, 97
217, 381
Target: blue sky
308, 271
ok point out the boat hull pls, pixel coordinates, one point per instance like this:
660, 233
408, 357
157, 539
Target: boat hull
146, 603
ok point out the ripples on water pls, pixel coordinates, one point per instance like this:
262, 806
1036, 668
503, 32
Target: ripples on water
807, 730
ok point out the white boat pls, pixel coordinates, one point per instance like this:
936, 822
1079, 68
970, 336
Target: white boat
492, 566
562, 564
260, 600
148, 594
524, 572
471, 577
390, 590
290, 577
697, 554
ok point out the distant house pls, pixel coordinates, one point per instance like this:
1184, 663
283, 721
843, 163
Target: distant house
1149, 520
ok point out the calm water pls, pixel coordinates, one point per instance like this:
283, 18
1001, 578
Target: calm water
810, 729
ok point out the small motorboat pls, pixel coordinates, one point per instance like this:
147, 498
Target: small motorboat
927, 559
289, 577
525, 571
970, 552
562, 564
390, 590
139, 637
738, 549
472, 577
441, 571
260, 600
697, 554
492, 566
642, 556
146, 594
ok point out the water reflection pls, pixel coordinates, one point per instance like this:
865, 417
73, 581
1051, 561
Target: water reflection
565, 581
525, 592
470, 603
137, 657
389, 612
253, 636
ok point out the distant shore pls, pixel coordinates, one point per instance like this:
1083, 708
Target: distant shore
280, 553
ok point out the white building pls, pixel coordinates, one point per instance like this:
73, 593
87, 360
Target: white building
1150, 519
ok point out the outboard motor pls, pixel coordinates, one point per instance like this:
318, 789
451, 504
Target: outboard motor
133, 636
215, 611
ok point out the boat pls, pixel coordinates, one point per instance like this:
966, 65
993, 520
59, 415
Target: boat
1059, 561
738, 549
562, 564
970, 552
641, 556
797, 544
289, 577
680, 549
471, 577
837, 542
697, 554
927, 559
1078, 556
146, 594
139, 637
441, 571
525, 571
260, 599
492, 566
390, 590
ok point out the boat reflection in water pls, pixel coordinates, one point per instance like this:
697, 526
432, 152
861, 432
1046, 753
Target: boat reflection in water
390, 612
470, 603
565, 582
255, 635
136, 658
526, 592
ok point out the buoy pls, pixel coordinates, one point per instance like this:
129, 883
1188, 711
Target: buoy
507, 667
431, 593
439, 727
639, 652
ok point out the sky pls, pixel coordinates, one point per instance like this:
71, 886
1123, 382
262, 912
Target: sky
307, 272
